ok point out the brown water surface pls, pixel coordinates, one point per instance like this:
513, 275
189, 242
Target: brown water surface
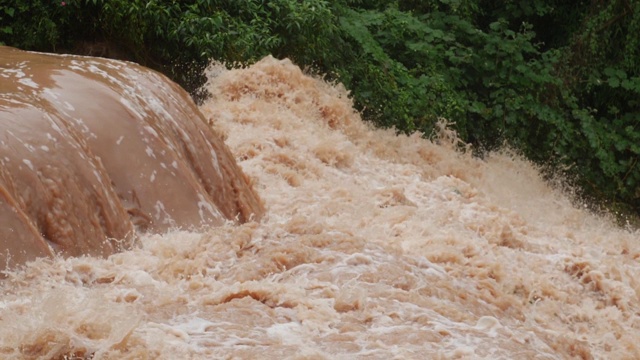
92, 148
374, 246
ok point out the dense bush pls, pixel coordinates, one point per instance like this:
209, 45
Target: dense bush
601, 70
173, 35
559, 83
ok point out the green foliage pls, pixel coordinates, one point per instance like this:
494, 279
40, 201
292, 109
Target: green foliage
491, 83
388, 90
168, 35
32, 24
601, 68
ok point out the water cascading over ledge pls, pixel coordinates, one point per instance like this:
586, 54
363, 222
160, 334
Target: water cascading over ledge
93, 149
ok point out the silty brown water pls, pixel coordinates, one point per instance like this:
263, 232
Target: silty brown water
93, 148
374, 246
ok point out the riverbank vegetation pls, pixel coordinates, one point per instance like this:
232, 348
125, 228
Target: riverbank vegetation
557, 81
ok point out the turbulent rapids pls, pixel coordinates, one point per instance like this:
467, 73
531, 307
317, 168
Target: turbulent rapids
374, 245
92, 148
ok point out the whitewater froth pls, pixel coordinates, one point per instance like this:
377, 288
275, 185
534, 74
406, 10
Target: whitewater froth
374, 245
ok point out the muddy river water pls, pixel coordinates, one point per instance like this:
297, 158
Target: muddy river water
372, 246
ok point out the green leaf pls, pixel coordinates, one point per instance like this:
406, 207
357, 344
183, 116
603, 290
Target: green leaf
477, 107
495, 26
621, 74
610, 72
614, 82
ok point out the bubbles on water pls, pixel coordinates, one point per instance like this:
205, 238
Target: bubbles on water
375, 245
